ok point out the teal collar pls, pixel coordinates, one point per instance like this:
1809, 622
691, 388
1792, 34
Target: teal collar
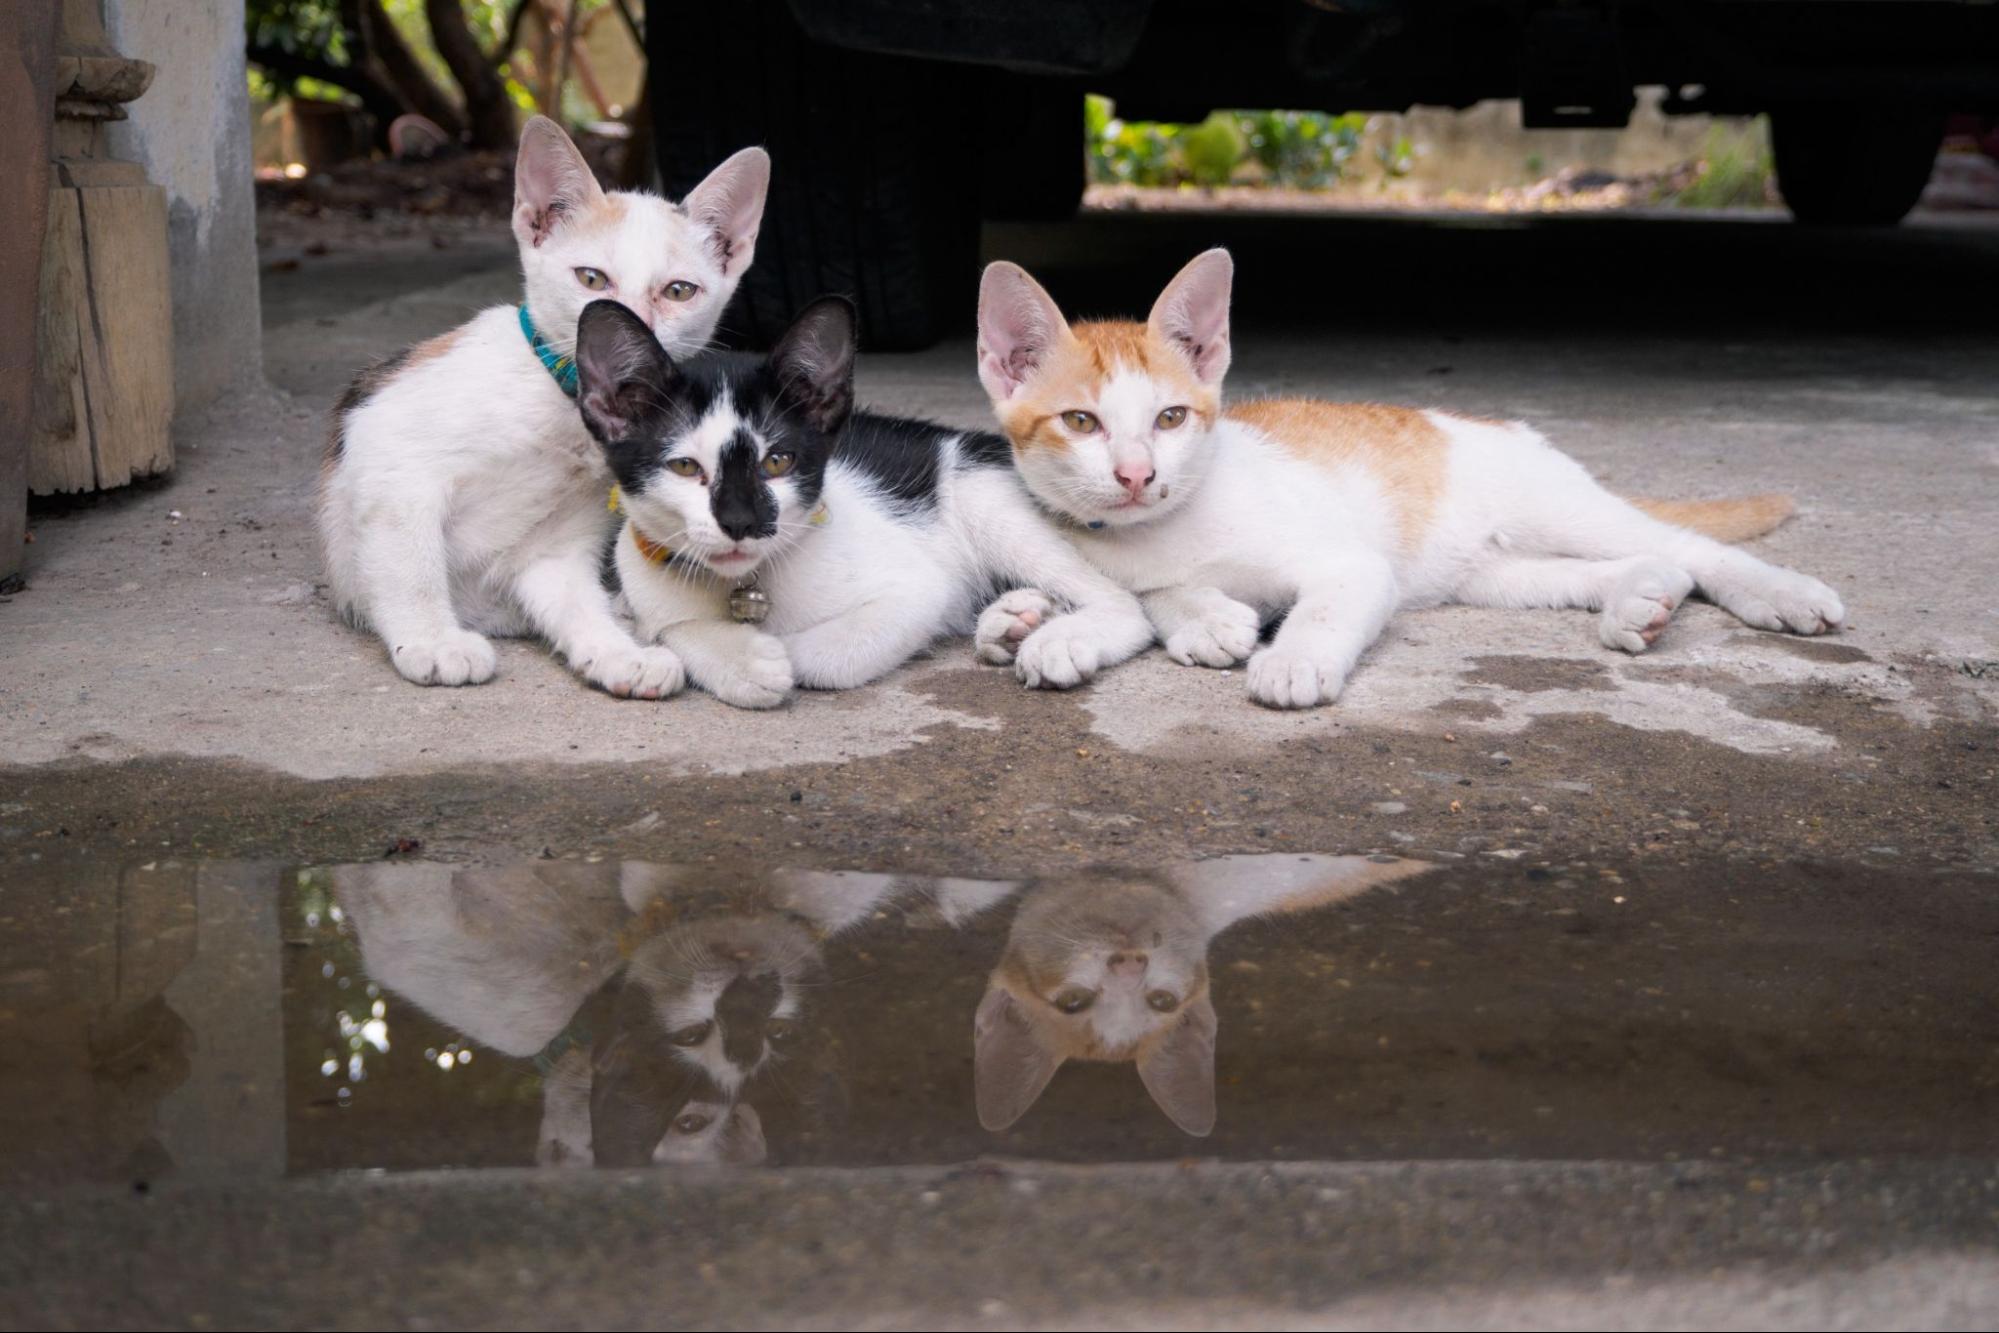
560, 366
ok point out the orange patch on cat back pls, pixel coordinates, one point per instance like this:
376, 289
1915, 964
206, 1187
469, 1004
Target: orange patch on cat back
432, 348
1400, 446
1077, 367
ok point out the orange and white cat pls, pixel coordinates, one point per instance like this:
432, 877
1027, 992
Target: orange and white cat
1332, 515
1112, 966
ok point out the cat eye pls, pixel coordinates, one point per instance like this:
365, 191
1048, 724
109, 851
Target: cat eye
781, 1033
1083, 423
680, 291
1170, 418
692, 1123
593, 278
683, 467
1074, 1000
691, 1035
1165, 1001
778, 462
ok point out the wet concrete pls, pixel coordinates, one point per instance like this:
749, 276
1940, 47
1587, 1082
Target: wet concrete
195, 1050
408, 1015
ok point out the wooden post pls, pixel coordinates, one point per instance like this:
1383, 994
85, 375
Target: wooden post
27, 105
104, 376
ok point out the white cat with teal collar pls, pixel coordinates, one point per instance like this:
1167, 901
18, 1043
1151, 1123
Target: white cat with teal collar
461, 496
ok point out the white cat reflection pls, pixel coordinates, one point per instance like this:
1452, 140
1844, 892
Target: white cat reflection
650, 1003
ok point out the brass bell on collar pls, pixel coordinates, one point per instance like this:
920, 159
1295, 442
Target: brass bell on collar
749, 605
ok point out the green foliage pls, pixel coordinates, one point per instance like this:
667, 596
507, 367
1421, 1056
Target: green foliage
1303, 149
1306, 149
1212, 148
1735, 171
1395, 159
301, 27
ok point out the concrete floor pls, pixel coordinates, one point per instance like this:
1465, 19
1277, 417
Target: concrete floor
189, 619
1731, 900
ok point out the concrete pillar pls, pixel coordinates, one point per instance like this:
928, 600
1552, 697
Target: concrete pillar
191, 132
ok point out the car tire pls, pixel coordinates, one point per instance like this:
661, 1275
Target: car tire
875, 163
1856, 165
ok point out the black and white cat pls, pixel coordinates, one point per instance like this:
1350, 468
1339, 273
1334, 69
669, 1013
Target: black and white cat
776, 537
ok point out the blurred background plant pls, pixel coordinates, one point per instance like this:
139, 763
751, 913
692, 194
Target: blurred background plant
470, 67
1307, 150
1433, 157
1735, 170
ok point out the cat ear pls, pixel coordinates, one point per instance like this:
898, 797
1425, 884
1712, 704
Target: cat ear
623, 376
1193, 313
627, 1113
1019, 324
552, 182
729, 206
814, 362
1010, 1065
1179, 1072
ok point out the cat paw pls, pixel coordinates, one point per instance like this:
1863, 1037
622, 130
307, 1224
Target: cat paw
1286, 678
1222, 636
1061, 655
1788, 601
458, 657
1637, 610
632, 672
761, 678
1009, 620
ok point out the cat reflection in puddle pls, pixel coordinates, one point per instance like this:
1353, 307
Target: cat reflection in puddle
652, 1005
1113, 966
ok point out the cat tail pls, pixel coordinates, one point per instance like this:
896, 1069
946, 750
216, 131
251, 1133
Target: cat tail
1723, 520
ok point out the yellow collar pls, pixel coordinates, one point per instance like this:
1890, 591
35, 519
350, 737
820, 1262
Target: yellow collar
649, 548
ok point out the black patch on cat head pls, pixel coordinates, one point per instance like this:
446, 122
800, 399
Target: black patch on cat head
639, 1085
738, 496
800, 398
743, 1012
635, 399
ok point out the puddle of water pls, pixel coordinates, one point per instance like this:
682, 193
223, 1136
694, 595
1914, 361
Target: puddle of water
223, 1019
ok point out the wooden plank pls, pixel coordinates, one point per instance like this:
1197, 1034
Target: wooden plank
130, 387
59, 452
27, 109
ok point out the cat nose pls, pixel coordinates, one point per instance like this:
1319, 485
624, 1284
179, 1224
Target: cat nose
735, 529
1135, 477
1127, 966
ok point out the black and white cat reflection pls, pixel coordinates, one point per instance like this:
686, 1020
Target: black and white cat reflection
1113, 966
655, 1009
